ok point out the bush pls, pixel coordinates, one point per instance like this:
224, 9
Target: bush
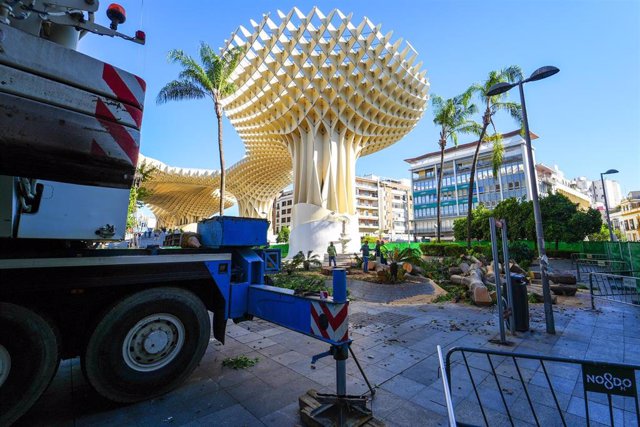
299, 283
482, 252
442, 249
521, 253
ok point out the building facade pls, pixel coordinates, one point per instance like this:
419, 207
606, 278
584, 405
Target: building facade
511, 181
552, 180
368, 205
614, 193
626, 217
384, 207
281, 214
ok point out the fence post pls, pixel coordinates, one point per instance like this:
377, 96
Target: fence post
593, 305
507, 276
578, 270
496, 272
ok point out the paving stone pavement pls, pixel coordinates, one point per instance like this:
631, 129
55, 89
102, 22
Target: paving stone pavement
396, 346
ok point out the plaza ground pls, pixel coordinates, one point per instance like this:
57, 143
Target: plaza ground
396, 344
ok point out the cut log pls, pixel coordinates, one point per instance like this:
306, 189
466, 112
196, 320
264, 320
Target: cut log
564, 278
417, 270
407, 266
455, 270
190, 240
479, 292
464, 267
567, 290
515, 268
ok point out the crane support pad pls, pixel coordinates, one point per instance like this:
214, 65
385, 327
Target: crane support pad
318, 318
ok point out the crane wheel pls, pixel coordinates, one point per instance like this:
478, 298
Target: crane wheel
29, 358
147, 344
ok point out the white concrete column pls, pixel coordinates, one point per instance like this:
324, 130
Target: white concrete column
324, 163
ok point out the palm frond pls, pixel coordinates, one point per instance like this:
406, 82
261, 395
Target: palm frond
186, 61
179, 90
513, 108
512, 73
471, 127
436, 102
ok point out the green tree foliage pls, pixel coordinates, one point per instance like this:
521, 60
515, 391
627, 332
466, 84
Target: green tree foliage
519, 216
582, 224
452, 115
603, 234
138, 193
561, 220
479, 225
493, 104
207, 79
557, 210
283, 234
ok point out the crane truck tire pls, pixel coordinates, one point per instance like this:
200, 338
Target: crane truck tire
147, 344
29, 358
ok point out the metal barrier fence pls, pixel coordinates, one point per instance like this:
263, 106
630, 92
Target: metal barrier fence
583, 255
622, 288
534, 389
586, 266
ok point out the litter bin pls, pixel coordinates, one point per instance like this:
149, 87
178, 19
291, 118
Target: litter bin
520, 302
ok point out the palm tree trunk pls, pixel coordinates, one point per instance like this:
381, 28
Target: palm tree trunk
221, 151
438, 194
472, 175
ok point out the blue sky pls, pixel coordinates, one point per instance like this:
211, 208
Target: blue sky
587, 116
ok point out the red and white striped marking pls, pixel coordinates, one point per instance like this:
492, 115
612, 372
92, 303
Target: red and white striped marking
337, 321
128, 89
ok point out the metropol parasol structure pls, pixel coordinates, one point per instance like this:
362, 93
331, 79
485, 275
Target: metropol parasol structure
314, 93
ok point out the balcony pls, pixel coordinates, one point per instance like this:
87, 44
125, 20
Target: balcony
366, 196
363, 206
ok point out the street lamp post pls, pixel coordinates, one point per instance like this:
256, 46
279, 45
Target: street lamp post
606, 204
539, 74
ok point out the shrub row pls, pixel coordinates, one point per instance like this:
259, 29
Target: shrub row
442, 249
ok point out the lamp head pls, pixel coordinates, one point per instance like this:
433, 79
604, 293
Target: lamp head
499, 88
543, 73
610, 171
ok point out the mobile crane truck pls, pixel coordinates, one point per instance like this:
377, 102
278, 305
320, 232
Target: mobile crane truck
139, 319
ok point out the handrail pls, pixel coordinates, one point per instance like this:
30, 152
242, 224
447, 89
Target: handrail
447, 389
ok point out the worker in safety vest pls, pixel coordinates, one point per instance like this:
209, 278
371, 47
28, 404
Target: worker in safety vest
331, 250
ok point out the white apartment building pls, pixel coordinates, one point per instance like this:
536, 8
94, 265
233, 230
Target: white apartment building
614, 192
384, 207
281, 214
552, 180
511, 181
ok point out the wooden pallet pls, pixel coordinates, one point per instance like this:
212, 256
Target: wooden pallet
308, 403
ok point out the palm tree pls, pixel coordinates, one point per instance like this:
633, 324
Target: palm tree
493, 105
397, 256
452, 115
210, 79
308, 261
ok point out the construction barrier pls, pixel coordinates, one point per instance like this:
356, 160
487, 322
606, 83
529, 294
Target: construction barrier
621, 288
512, 388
